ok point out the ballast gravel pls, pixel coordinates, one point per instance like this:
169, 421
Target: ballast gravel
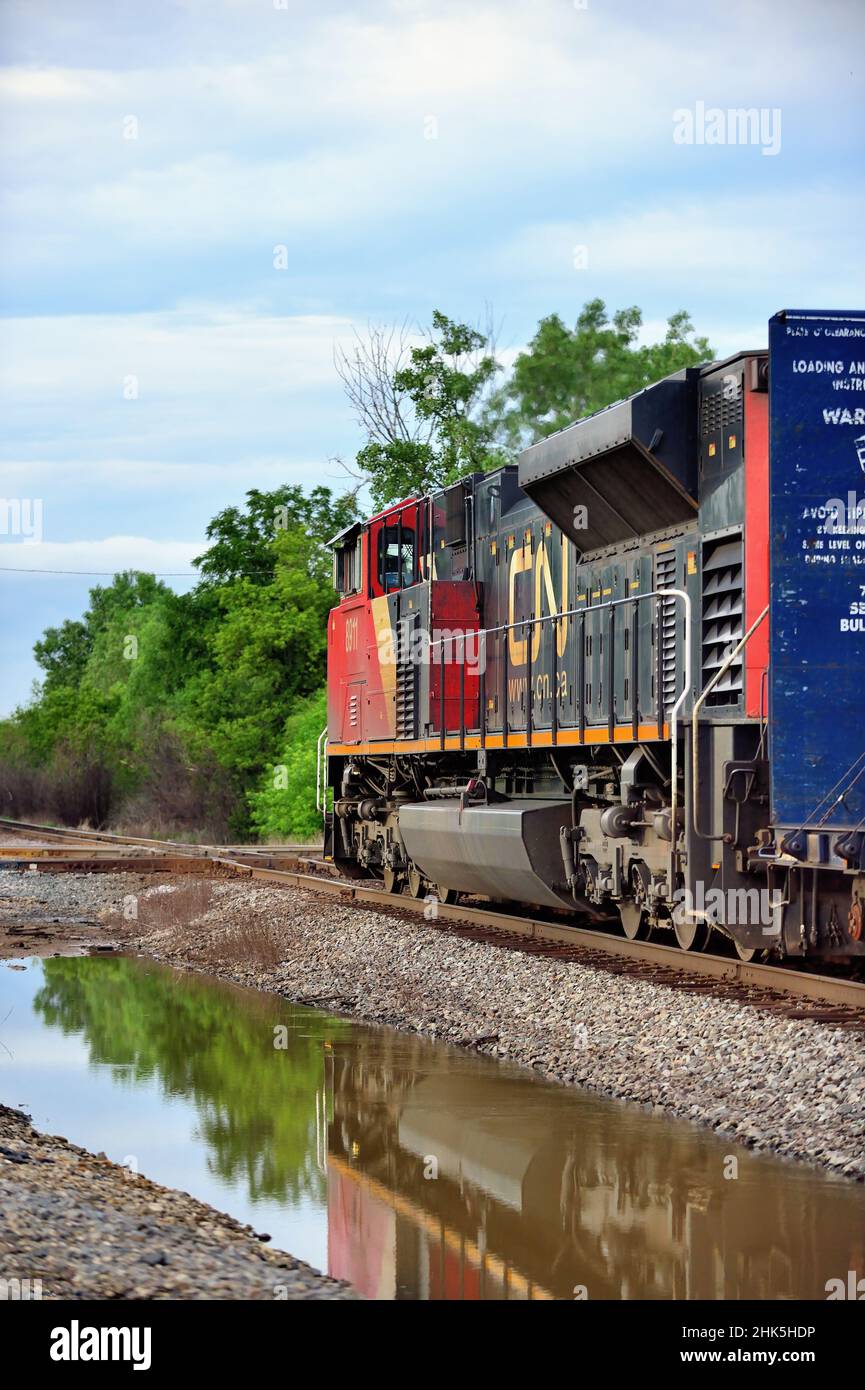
77, 1226
791, 1087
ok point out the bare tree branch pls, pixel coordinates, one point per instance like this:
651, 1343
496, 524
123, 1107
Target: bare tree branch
359, 478
367, 373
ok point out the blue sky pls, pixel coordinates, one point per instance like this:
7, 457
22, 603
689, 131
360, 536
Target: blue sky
265, 123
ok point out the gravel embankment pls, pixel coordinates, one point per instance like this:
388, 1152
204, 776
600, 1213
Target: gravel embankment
87, 1228
43, 914
791, 1087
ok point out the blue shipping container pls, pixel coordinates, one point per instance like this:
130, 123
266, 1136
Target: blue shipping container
817, 615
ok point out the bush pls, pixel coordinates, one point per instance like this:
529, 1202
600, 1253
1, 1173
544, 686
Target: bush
79, 790
73, 790
22, 792
180, 796
283, 806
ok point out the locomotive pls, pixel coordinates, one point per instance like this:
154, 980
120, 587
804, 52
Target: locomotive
623, 677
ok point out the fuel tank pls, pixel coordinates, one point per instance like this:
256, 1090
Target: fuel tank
507, 850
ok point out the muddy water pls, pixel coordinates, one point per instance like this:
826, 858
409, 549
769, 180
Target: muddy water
412, 1169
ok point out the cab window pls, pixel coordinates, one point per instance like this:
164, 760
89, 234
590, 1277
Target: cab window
396, 558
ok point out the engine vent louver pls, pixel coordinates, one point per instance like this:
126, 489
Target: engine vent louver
721, 408
723, 607
665, 578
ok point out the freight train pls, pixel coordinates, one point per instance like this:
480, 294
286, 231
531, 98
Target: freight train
624, 677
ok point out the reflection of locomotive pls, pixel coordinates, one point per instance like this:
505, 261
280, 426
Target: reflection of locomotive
534, 1195
562, 684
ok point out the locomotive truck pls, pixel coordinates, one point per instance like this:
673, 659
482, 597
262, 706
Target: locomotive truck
624, 677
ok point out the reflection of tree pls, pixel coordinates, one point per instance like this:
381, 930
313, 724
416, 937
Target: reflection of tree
212, 1044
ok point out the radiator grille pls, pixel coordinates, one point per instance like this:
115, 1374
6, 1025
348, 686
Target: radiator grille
723, 607
722, 408
665, 578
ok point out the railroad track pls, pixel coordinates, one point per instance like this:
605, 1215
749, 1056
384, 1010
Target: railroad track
788, 991
58, 838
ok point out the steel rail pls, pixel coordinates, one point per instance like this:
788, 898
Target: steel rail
782, 979
778, 978
85, 837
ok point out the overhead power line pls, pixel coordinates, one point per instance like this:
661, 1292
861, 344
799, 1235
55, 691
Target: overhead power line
157, 574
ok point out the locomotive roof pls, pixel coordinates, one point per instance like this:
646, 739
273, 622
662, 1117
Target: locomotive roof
342, 536
708, 367
703, 369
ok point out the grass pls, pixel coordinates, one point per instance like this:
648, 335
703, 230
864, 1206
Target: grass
250, 944
176, 906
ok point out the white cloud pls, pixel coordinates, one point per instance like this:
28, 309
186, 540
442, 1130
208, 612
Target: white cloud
718, 243
97, 557
224, 387
325, 130
33, 477
175, 353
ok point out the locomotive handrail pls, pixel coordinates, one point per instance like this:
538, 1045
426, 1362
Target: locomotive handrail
568, 613
698, 705
675, 712
320, 780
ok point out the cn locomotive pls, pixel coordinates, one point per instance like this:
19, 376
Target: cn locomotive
624, 678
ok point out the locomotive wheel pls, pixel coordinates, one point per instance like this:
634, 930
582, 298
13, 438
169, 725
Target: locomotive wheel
389, 877
448, 896
635, 923
415, 883
692, 936
747, 953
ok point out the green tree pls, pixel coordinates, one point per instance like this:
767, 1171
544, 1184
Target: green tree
266, 651
567, 373
283, 804
423, 411
62, 653
242, 540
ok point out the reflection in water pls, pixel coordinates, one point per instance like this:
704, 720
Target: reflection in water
537, 1194
213, 1045
439, 1174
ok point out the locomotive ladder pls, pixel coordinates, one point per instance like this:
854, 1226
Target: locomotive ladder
406, 677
